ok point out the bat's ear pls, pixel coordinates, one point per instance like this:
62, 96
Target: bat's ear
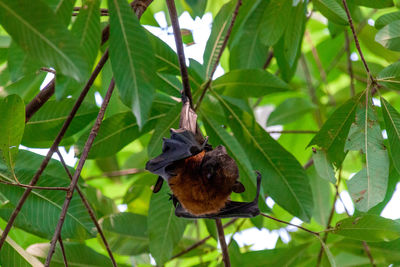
238, 187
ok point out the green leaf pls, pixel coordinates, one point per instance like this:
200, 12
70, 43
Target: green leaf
126, 233
211, 228
371, 228
41, 211
249, 83
323, 166
374, 3
284, 179
385, 19
332, 10
218, 33
63, 9
290, 110
20, 63
77, 255
392, 76
392, 123
12, 254
321, 195
35, 27
197, 7
165, 229
162, 128
131, 58
87, 28
26, 87
389, 36
12, 124
333, 134
249, 52
45, 124
368, 187
328, 252
275, 18
115, 132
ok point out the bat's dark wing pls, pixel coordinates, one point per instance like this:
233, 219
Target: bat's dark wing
181, 145
232, 209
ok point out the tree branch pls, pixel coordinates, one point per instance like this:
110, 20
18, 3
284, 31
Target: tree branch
288, 223
349, 64
228, 34
34, 187
38, 101
90, 211
269, 59
222, 242
77, 173
63, 251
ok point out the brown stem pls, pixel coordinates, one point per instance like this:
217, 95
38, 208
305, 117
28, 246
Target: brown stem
90, 211
308, 164
349, 64
356, 40
201, 242
228, 34
54, 146
288, 223
368, 252
34, 187
222, 242
180, 51
269, 59
294, 132
77, 173
63, 251
39, 100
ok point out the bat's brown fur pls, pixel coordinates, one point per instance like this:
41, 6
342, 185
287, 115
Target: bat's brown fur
202, 189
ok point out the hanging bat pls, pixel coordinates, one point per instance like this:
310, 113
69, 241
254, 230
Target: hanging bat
201, 178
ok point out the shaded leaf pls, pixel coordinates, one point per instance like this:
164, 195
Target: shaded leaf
290, 110
20, 63
35, 27
131, 57
12, 124
389, 36
165, 229
374, 3
126, 233
371, 228
323, 166
392, 122
249, 83
385, 19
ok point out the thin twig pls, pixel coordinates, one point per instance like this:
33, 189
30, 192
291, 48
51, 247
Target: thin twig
349, 64
269, 59
48, 70
54, 146
225, 42
90, 211
180, 51
115, 173
288, 223
34, 187
77, 173
308, 164
38, 101
294, 132
63, 251
201, 242
356, 41
222, 242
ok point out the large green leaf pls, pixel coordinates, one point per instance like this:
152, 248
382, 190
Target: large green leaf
368, 187
290, 110
392, 123
323, 166
321, 195
131, 58
20, 63
44, 126
12, 124
249, 52
165, 229
12, 254
34, 26
389, 36
275, 18
284, 179
77, 255
62, 9
333, 134
115, 132
332, 10
249, 83
126, 233
218, 33
368, 228
385, 19
41, 211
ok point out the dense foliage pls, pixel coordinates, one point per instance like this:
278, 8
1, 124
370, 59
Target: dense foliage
336, 118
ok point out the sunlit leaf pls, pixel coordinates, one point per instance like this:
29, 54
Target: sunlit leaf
389, 36
332, 10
